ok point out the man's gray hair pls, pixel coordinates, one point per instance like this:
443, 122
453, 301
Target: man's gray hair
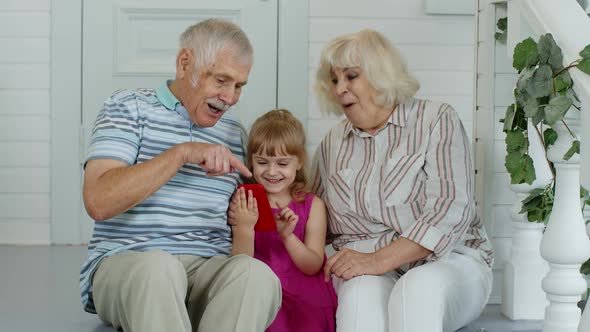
210, 36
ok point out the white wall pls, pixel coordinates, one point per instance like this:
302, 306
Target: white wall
502, 198
438, 49
24, 121
496, 80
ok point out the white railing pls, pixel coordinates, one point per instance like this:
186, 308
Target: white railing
565, 244
522, 294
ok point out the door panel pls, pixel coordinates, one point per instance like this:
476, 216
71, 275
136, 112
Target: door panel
133, 44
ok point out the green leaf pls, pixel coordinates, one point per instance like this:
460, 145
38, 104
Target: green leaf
584, 66
509, 117
556, 109
549, 136
538, 204
539, 116
523, 79
517, 177
584, 194
535, 193
575, 148
502, 23
541, 84
500, 36
535, 215
549, 52
513, 162
529, 170
585, 53
563, 81
515, 141
525, 54
520, 121
531, 108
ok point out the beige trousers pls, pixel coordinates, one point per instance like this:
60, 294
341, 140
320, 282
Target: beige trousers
157, 291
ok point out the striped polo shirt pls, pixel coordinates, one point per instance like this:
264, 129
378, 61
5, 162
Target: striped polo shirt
187, 215
413, 178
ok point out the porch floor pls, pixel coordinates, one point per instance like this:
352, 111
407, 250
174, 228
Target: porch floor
39, 292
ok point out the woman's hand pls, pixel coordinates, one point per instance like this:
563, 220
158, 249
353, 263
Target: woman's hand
286, 221
347, 264
243, 212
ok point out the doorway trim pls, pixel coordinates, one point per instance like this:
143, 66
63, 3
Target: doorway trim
66, 101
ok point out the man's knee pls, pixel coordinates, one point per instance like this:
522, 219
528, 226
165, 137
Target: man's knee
257, 273
156, 268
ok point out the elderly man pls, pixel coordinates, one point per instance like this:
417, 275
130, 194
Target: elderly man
161, 169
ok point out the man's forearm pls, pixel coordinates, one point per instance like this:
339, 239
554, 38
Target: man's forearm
121, 188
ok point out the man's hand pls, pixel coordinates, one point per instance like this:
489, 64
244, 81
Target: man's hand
215, 159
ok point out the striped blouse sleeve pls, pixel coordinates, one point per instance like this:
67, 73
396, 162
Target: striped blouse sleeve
450, 202
317, 173
116, 132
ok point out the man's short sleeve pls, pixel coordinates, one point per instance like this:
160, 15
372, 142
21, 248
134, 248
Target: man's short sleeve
116, 132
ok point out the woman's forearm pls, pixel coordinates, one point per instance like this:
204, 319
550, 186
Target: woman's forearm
399, 252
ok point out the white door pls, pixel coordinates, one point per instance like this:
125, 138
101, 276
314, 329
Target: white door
133, 44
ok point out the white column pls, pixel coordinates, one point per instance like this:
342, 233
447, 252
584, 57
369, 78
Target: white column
522, 294
565, 244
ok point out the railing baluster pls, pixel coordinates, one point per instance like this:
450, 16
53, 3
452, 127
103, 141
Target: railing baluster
565, 244
522, 294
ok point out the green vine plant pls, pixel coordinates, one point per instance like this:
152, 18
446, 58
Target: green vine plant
544, 93
502, 25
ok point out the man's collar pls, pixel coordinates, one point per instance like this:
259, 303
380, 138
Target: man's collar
169, 100
166, 97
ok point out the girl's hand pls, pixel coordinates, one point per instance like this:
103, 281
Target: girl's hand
286, 221
243, 212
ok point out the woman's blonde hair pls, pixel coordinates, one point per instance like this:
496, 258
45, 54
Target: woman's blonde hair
276, 133
380, 62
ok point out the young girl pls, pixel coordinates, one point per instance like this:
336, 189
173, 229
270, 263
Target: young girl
295, 251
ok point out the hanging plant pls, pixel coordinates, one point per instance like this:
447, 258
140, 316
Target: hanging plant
543, 94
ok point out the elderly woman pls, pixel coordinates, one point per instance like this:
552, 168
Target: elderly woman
397, 179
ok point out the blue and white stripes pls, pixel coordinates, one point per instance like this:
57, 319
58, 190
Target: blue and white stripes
185, 216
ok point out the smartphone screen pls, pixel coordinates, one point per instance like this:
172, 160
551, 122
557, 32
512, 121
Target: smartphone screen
266, 220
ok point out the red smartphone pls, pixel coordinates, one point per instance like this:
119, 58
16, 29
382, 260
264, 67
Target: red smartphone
266, 221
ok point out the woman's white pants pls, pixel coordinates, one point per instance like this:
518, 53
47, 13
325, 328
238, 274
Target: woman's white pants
440, 296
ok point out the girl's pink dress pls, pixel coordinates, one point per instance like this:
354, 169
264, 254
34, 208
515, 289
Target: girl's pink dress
309, 303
